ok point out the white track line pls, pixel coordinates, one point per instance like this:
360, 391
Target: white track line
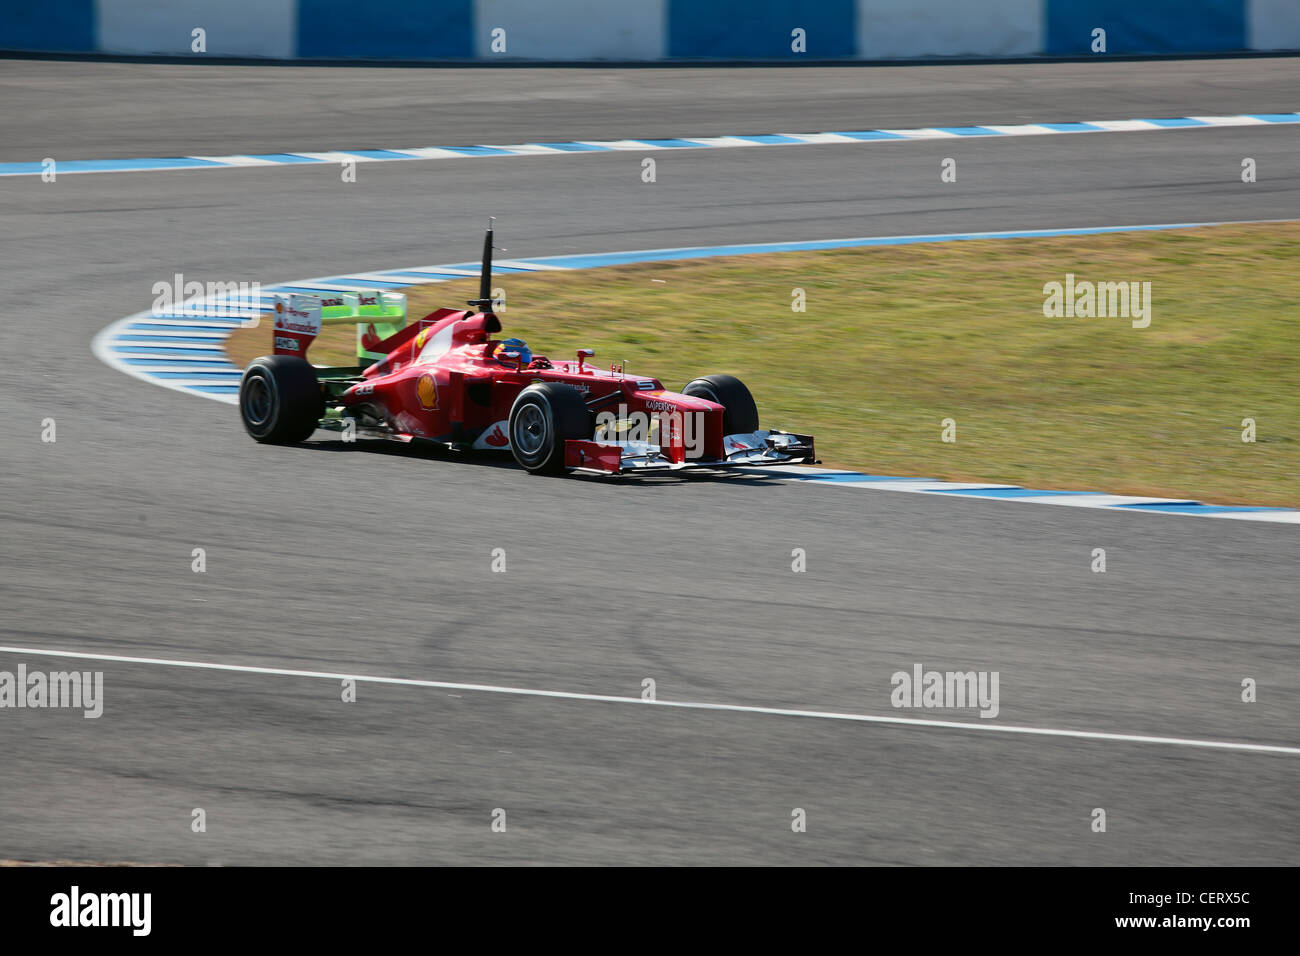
925, 133
528, 149
1026, 130
429, 152
149, 164
323, 286
530, 266
1285, 517
620, 144
680, 704
181, 332
338, 156
1126, 126
230, 161
1232, 120
814, 138
724, 141
435, 270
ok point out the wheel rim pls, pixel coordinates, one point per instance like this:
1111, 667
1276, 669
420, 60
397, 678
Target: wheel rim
530, 430
256, 400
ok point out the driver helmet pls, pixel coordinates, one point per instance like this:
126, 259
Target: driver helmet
513, 350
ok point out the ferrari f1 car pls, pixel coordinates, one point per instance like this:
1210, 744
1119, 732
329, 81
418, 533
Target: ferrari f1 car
447, 379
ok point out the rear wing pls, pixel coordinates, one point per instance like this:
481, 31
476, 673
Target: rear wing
377, 315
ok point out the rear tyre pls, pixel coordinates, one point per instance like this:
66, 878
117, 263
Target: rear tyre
280, 399
542, 419
741, 415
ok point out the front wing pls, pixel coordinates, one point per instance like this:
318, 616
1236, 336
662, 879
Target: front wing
635, 457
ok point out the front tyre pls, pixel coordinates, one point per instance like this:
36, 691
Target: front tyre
280, 399
741, 415
542, 419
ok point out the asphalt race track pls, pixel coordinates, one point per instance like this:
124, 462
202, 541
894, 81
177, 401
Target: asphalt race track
342, 560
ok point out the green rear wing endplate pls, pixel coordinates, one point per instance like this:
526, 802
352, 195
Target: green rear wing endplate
377, 314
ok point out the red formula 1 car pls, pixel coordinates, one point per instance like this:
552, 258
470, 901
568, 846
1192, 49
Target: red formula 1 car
447, 379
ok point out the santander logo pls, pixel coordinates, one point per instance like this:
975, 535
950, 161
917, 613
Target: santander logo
497, 439
288, 325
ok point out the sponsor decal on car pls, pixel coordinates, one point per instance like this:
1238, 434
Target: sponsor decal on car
427, 391
285, 342
298, 313
494, 438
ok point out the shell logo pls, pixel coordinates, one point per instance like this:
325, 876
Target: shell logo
279, 306
427, 391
